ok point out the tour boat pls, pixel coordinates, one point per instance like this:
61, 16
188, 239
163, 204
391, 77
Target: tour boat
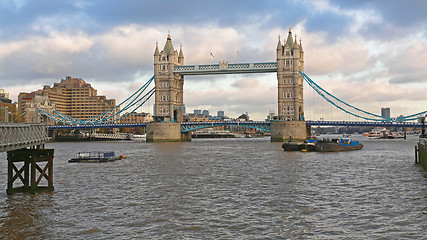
92, 157
381, 133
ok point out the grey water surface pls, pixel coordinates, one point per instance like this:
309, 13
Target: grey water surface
224, 189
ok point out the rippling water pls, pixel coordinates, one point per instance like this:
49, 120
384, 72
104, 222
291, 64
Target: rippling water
224, 189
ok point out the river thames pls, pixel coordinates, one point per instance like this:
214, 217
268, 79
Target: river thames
224, 189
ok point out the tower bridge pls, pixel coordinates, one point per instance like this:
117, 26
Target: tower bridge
169, 72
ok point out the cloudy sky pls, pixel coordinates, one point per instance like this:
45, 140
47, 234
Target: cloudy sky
370, 53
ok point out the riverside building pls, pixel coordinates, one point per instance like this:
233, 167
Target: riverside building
73, 97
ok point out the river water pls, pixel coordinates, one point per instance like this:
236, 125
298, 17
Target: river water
224, 189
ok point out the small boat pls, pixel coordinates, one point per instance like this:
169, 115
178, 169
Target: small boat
93, 157
337, 145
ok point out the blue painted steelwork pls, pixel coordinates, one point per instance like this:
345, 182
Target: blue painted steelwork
225, 68
357, 112
363, 124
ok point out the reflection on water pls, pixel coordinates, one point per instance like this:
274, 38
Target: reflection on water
224, 189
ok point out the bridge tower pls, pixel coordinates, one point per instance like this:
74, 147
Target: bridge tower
169, 107
169, 86
290, 60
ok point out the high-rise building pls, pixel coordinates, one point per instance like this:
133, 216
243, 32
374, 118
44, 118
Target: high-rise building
73, 97
385, 112
196, 112
220, 113
205, 112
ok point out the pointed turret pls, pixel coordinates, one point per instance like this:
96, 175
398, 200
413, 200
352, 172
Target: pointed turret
300, 45
279, 48
168, 46
279, 45
289, 41
156, 52
181, 56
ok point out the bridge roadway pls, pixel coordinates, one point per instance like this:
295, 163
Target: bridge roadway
262, 125
21, 135
226, 68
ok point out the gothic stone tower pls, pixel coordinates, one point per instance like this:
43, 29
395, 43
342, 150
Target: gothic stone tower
291, 124
169, 86
290, 60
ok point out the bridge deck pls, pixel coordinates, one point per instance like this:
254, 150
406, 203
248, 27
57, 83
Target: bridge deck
21, 135
225, 68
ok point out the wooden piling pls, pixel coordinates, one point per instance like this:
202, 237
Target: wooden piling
31, 158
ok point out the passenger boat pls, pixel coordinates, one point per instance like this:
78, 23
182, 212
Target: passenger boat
93, 157
383, 133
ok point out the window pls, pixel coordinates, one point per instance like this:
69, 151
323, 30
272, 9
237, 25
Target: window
287, 53
287, 62
292, 81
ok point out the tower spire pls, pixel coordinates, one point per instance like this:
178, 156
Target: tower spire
279, 45
156, 52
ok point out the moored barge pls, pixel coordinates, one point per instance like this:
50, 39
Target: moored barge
325, 145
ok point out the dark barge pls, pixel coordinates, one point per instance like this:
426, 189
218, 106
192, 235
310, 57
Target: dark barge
325, 145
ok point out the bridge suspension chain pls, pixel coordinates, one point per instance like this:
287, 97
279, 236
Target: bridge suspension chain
352, 110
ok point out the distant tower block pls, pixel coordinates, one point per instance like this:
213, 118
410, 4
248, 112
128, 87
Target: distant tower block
169, 86
290, 60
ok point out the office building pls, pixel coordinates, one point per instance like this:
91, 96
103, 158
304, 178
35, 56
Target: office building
385, 112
